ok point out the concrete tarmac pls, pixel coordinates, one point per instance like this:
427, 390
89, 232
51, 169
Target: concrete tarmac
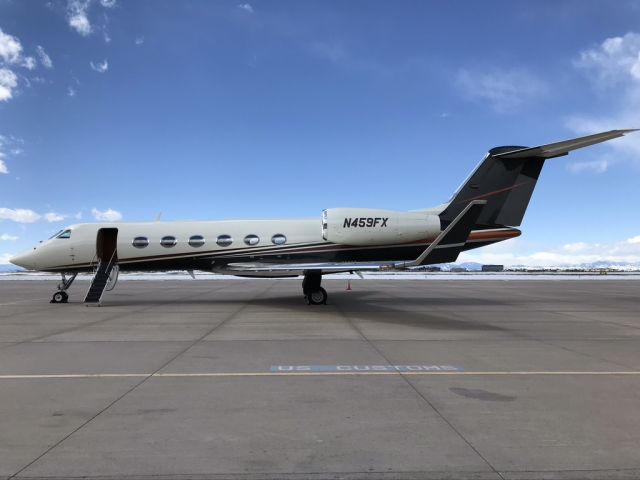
395, 379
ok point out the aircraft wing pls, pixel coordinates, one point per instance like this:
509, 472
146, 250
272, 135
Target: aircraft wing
299, 268
454, 235
559, 149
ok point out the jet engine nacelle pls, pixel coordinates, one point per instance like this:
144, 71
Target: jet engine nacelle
365, 226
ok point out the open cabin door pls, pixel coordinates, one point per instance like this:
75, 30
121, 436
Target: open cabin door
107, 272
107, 244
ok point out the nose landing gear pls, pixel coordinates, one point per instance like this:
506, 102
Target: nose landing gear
61, 296
314, 294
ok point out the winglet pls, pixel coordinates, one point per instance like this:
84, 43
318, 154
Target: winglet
559, 149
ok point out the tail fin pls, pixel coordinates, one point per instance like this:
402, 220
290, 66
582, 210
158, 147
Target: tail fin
507, 177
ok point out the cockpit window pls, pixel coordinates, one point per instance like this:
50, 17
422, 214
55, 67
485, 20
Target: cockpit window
55, 234
65, 234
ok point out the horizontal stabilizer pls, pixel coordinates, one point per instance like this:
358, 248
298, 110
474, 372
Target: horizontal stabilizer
563, 148
507, 177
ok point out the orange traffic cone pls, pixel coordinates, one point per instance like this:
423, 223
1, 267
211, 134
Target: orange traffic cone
348, 285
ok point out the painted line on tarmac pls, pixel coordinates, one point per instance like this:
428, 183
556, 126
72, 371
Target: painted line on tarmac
302, 374
17, 302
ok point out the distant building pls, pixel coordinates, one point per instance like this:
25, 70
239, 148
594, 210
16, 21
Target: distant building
459, 269
492, 268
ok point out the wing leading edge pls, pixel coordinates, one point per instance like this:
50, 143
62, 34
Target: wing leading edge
559, 149
455, 236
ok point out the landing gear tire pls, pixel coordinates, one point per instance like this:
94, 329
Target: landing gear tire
314, 294
319, 297
60, 297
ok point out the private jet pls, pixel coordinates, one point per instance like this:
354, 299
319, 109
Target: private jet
484, 210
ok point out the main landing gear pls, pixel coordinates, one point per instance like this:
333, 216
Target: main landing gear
61, 296
314, 294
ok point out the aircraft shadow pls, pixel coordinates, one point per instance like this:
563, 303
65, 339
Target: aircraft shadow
356, 305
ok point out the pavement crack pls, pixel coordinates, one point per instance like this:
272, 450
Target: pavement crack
418, 392
146, 378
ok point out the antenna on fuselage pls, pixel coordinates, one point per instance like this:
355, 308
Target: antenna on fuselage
159, 216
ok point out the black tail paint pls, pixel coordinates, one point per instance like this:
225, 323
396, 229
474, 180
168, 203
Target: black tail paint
505, 183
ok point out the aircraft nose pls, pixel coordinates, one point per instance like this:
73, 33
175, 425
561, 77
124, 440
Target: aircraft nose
25, 260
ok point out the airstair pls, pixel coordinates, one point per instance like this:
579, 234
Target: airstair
106, 273
100, 280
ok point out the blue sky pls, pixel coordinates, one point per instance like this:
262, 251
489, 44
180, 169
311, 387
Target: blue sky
214, 110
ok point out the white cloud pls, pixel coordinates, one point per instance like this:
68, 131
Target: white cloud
52, 217
11, 143
77, 16
613, 63
510, 253
78, 216
108, 215
19, 215
246, 7
594, 166
8, 81
576, 247
503, 90
100, 67
139, 40
45, 59
10, 48
29, 63
108, 3
11, 57
71, 91
8, 238
616, 60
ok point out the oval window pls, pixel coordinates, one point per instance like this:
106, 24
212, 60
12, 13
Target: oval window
224, 240
279, 239
196, 241
140, 242
251, 240
168, 241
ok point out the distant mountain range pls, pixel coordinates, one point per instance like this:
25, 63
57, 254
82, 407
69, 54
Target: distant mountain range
476, 267
601, 264
8, 268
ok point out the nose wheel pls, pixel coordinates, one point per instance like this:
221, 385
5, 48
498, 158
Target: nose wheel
314, 294
61, 296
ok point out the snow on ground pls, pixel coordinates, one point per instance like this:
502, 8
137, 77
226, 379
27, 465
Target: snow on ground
440, 276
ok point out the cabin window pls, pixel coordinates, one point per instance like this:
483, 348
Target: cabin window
251, 240
168, 241
65, 234
279, 239
224, 240
140, 242
196, 241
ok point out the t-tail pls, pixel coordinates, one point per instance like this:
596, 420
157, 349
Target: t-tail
507, 177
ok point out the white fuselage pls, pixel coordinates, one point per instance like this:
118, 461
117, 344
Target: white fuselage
79, 250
